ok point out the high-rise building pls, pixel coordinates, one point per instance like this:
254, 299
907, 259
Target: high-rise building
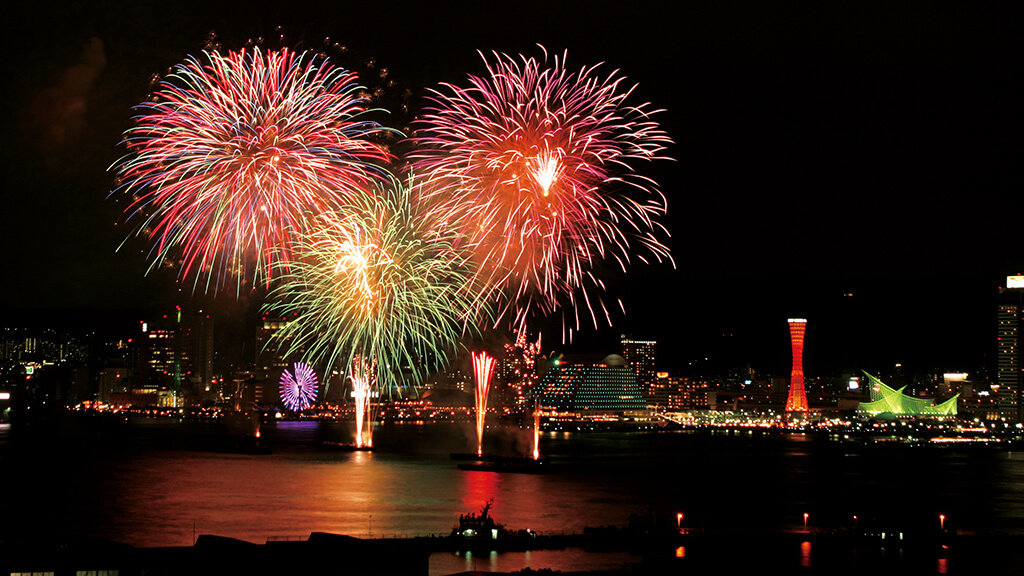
161, 362
1009, 353
272, 358
197, 333
640, 356
797, 399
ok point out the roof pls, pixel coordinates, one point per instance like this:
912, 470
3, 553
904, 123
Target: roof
885, 399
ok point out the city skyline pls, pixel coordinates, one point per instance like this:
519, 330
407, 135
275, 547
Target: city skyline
818, 155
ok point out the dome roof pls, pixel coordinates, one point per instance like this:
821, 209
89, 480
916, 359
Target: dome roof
614, 361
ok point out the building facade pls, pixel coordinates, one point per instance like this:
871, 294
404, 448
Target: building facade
604, 391
1008, 353
640, 357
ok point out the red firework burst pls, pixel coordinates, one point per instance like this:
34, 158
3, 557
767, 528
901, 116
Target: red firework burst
536, 163
234, 152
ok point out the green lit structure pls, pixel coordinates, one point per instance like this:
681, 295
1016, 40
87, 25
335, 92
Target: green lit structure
885, 399
607, 390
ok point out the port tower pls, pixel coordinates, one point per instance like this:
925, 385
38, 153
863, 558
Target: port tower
797, 399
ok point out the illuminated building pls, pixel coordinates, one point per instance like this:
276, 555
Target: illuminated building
640, 356
1009, 352
797, 399
160, 358
270, 360
607, 390
662, 390
886, 400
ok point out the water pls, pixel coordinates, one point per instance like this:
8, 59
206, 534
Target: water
157, 483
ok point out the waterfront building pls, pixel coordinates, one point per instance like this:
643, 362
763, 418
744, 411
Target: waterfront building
797, 399
601, 391
1009, 352
197, 333
674, 393
888, 400
640, 358
271, 361
160, 359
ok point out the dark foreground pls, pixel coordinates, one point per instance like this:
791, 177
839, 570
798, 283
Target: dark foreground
732, 553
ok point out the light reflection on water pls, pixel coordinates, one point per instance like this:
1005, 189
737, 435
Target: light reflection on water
570, 559
156, 486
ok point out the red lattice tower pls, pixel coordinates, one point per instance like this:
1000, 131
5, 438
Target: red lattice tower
797, 399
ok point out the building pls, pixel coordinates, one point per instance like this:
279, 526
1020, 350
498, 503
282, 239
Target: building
640, 358
198, 345
271, 360
592, 392
797, 399
887, 400
673, 393
161, 361
1008, 354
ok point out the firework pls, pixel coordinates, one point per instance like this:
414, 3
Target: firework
536, 432
379, 280
361, 374
536, 164
234, 153
298, 387
483, 366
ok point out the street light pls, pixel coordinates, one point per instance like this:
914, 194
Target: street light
805, 521
679, 520
942, 522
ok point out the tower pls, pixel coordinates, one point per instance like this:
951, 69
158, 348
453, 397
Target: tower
797, 399
1009, 353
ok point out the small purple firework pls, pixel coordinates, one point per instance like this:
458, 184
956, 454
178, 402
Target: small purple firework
298, 387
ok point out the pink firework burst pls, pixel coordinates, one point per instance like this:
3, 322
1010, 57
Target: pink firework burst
536, 164
233, 153
298, 387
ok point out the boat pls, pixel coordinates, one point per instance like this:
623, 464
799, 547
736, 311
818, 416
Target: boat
482, 528
346, 446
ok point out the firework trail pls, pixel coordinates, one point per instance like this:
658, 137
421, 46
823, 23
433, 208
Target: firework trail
298, 387
380, 280
536, 431
483, 366
234, 153
535, 163
362, 375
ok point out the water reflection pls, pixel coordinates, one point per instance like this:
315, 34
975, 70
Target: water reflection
149, 487
805, 554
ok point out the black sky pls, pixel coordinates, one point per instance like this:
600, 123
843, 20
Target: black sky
822, 149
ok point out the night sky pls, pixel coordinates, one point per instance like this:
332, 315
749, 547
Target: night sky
820, 151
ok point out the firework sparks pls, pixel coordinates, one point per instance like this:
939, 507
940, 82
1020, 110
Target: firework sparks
361, 374
483, 366
298, 387
536, 432
379, 280
234, 153
536, 163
